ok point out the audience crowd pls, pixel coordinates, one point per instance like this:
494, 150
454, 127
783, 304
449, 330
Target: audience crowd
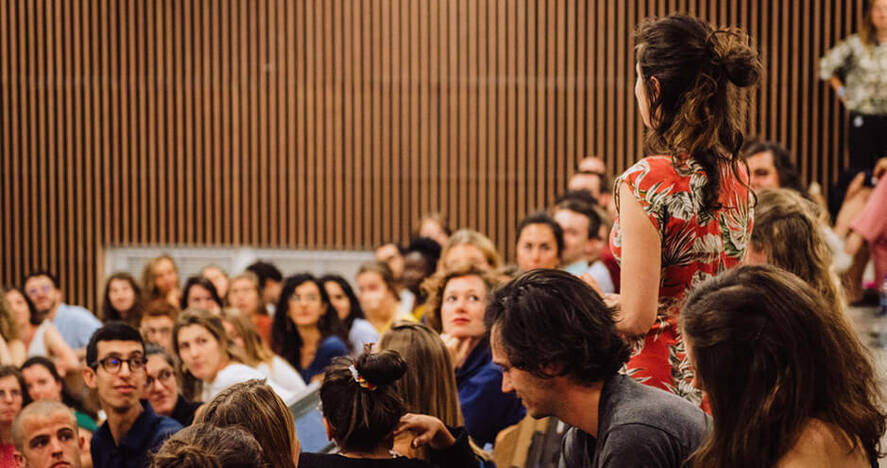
692, 312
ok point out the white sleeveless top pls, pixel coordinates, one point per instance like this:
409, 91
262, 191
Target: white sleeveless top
38, 342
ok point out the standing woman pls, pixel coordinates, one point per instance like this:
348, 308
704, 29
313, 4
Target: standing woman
307, 331
343, 299
685, 213
862, 60
161, 280
122, 300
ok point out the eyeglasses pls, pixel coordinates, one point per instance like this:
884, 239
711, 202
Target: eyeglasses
44, 289
162, 377
112, 364
306, 298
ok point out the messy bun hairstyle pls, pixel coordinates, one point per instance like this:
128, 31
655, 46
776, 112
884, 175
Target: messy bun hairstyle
694, 100
207, 446
363, 411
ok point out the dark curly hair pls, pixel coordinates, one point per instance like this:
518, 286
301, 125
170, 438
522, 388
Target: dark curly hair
363, 416
782, 161
692, 74
550, 319
285, 338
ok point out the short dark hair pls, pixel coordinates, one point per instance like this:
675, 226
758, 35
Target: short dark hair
582, 207
38, 273
110, 332
265, 271
782, 161
203, 283
428, 248
550, 319
541, 217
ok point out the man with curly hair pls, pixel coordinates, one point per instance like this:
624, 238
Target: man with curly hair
559, 349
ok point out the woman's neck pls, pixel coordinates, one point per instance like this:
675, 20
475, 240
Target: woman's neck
378, 453
6, 433
225, 362
383, 316
310, 336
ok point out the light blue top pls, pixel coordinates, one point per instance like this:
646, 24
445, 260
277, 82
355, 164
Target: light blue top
76, 325
597, 270
362, 332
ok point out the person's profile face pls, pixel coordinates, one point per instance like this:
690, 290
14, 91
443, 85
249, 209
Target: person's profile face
120, 389
41, 384
640, 93
763, 171
537, 395
51, 440
201, 353
537, 247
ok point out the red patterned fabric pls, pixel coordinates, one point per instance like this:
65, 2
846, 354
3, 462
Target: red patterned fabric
695, 246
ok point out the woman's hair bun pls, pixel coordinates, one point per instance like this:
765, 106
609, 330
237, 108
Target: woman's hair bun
731, 51
381, 368
185, 455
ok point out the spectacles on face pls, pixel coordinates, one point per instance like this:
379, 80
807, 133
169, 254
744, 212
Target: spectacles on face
113, 364
162, 377
42, 289
307, 298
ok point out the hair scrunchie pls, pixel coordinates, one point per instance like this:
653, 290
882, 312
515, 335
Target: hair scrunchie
360, 380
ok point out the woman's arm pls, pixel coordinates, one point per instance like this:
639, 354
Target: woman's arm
62, 354
641, 264
837, 85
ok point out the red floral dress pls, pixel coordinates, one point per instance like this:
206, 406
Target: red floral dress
696, 245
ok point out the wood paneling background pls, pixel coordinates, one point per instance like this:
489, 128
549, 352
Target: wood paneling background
336, 124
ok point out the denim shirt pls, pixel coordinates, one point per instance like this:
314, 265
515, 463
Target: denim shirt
76, 325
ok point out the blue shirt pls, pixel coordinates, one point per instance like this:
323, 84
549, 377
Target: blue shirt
486, 409
362, 333
145, 436
76, 325
329, 348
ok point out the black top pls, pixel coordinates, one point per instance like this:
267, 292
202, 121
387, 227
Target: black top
459, 455
184, 411
146, 435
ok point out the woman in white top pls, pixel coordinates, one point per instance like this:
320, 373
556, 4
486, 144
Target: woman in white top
208, 358
36, 339
245, 337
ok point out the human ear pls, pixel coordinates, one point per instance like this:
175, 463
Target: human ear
89, 377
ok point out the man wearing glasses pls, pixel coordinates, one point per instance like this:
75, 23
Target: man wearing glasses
115, 357
74, 323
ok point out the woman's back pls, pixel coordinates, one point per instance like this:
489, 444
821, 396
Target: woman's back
824, 445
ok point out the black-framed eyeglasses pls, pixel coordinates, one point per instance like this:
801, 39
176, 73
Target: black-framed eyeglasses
112, 364
162, 377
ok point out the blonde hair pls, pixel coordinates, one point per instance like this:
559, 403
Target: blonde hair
252, 278
254, 349
476, 239
435, 285
787, 230
150, 287
8, 327
192, 386
254, 406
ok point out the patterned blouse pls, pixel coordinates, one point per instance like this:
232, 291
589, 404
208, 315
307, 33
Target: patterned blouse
865, 83
696, 245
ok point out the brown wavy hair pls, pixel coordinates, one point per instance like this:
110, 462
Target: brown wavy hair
692, 74
772, 355
208, 446
434, 287
868, 34
134, 315
787, 230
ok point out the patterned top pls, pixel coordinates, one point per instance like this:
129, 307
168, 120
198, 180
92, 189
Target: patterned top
696, 245
865, 83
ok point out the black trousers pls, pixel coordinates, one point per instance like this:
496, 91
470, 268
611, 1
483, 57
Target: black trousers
868, 143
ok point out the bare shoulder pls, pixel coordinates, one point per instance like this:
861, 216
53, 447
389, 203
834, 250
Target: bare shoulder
823, 444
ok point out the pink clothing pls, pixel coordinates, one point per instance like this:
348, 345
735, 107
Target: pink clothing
871, 224
7, 458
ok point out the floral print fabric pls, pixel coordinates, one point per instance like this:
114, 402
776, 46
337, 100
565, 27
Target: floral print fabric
696, 245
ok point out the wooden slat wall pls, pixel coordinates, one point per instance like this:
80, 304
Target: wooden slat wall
337, 124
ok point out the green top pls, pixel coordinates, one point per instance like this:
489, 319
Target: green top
84, 421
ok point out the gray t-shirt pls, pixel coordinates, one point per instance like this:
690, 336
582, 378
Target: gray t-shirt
638, 426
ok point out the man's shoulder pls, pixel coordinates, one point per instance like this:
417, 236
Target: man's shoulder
76, 313
629, 403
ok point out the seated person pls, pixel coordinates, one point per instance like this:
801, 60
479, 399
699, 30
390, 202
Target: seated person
560, 351
74, 323
162, 386
46, 435
457, 301
344, 300
205, 445
788, 381
582, 226
157, 323
419, 262
540, 242
45, 383
306, 330
115, 357
13, 396
363, 414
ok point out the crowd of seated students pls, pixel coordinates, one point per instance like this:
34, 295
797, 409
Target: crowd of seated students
651, 316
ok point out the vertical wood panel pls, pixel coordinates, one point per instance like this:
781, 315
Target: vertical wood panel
338, 124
